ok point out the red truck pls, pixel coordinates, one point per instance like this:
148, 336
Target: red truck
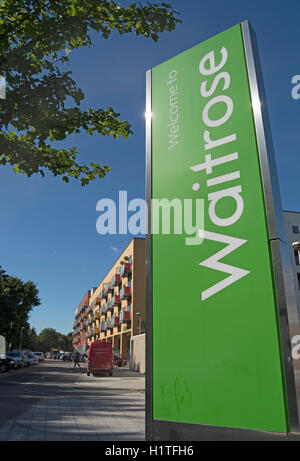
100, 358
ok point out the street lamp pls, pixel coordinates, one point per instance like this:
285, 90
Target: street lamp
22, 328
140, 322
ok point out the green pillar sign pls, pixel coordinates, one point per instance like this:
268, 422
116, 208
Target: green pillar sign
215, 355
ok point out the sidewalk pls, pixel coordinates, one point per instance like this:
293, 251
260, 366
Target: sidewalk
106, 408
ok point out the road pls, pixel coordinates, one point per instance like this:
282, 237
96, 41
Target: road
54, 401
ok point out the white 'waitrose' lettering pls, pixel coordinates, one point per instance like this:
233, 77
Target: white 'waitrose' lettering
208, 66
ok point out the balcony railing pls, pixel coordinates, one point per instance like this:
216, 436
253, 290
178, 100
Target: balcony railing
127, 316
115, 300
125, 292
105, 291
125, 270
116, 280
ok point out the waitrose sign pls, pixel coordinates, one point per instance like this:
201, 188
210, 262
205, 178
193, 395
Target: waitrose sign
216, 350
219, 186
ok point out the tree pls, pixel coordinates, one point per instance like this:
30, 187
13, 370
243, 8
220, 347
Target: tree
17, 299
30, 340
49, 338
43, 102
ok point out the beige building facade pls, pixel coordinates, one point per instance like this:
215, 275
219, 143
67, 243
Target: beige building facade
117, 308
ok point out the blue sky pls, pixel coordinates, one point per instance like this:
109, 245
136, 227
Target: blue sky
48, 228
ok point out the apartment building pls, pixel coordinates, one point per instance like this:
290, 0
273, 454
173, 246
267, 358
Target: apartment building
116, 309
292, 230
80, 324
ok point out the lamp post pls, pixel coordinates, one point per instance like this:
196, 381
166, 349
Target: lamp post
139, 314
22, 328
10, 335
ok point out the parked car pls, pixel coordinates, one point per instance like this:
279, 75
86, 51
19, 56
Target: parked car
83, 358
31, 358
6, 363
40, 356
119, 362
67, 357
19, 357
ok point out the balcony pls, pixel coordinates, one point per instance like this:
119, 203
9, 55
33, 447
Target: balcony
105, 326
97, 330
108, 289
104, 292
82, 307
127, 316
125, 270
115, 300
125, 292
116, 320
116, 280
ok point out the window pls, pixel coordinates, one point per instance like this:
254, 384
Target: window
295, 229
296, 257
298, 276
